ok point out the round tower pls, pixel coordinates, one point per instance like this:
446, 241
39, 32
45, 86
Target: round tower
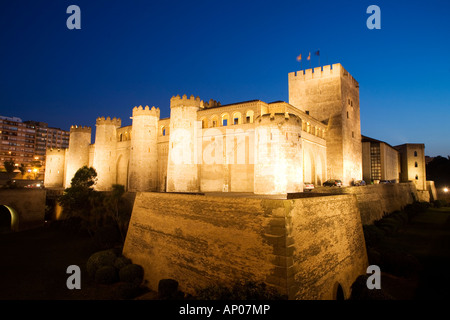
104, 161
77, 155
182, 166
278, 154
54, 168
143, 169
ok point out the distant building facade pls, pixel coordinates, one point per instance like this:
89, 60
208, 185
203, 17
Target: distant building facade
413, 166
380, 161
26, 142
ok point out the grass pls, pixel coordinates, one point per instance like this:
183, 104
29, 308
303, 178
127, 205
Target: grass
34, 262
427, 238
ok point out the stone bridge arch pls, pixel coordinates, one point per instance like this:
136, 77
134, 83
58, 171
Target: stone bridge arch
25, 207
9, 219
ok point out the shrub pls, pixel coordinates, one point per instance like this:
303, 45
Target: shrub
107, 236
389, 225
106, 275
361, 292
374, 257
126, 290
121, 262
168, 289
100, 259
415, 208
132, 273
372, 235
440, 203
248, 290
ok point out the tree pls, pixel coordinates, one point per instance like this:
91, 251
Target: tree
23, 169
438, 170
76, 200
97, 211
10, 166
85, 177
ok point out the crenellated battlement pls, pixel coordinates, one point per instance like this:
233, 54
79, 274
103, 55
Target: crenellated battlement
141, 111
212, 104
328, 71
108, 121
183, 101
76, 128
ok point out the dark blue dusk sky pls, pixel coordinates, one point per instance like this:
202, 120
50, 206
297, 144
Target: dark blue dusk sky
133, 52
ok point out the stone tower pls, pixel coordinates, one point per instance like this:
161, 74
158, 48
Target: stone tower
54, 168
331, 95
182, 166
78, 154
105, 152
143, 170
278, 154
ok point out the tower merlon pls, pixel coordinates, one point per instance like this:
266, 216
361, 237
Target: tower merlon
140, 111
183, 101
108, 121
328, 71
76, 128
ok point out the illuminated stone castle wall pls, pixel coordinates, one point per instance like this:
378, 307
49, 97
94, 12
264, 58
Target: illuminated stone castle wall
252, 146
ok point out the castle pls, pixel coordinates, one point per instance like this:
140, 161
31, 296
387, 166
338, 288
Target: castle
252, 146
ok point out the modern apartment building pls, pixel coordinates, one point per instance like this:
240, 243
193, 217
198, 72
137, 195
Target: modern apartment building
25, 142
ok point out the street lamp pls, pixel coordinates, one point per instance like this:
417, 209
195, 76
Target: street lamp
445, 189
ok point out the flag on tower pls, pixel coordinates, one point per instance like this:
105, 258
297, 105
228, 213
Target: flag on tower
317, 53
299, 58
309, 57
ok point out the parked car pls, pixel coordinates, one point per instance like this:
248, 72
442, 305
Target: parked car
386, 181
308, 186
332, 183
359, 183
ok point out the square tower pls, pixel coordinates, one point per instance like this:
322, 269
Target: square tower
331, 95
413, 166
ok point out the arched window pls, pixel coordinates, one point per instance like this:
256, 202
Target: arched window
225, 119
204, 123
121, 137
417, 177
416, 164
415, 153
214, 121
163, 130
237, 118
249, 116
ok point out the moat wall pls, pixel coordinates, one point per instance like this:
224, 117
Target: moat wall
374, 201
304, 247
